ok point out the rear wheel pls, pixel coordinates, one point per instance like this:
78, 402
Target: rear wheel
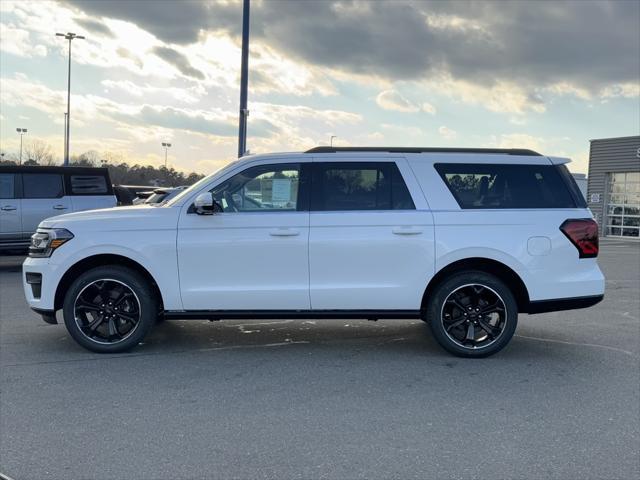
109, 309
472, 314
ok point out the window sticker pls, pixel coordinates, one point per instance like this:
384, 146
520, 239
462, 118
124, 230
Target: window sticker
281, 190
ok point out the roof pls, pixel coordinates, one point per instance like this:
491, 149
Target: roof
53, 169
499, 151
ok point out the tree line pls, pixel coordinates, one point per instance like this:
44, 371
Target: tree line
37, 153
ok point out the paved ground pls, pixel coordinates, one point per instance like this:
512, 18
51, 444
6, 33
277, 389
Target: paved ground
327, 399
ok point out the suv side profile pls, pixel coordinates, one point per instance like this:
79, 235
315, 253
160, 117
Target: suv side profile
29, 194
465, 239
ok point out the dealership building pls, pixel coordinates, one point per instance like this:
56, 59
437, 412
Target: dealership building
613, 191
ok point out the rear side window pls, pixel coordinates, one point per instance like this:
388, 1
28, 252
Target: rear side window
42, 185
88, 185
506, 186
7, 185
359, 186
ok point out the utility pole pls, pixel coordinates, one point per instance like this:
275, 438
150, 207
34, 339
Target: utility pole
68, 36
21, 131
244, 73
166, 146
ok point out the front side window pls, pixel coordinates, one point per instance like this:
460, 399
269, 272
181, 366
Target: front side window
506, 186
359, 186
42, 185
7, 185
265, 188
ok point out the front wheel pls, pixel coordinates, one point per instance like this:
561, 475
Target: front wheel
109, 309
472, 314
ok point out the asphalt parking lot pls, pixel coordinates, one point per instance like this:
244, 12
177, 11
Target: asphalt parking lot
327, 399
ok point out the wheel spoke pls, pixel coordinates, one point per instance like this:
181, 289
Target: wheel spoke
95, 323
494, 307
121, 298
83, 304
493, 332
455, 324
471, 333
128, 318
457, 303
113, 329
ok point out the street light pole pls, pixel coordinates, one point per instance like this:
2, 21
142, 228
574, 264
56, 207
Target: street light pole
68, 36
21, 131
166, 146
244, 74
331, 140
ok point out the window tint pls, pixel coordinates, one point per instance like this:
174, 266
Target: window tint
88, 185
42, 185
359, 186
263, 188
7, 185
506, 186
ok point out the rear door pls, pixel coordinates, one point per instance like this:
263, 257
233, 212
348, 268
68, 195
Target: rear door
371, 236
10, 209
42, 197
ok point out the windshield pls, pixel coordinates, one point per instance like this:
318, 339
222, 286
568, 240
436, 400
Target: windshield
199, 184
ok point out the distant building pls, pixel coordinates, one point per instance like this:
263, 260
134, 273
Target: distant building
581, 181
613, 192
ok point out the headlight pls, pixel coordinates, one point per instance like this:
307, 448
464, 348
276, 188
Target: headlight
46, 240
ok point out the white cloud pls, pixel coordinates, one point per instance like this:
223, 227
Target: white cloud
393, 100
427, 107
17, 41
447, 133
502, 97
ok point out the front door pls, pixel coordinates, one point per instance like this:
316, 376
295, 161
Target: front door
371, 240
10, 217
254, 254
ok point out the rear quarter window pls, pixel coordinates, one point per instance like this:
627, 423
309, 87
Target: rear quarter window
88, 185
494, 186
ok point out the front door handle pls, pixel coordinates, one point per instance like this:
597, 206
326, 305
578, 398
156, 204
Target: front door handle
283, 232
59, 207
8, 208
406, 230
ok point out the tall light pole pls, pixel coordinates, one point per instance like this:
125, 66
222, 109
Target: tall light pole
21, 131
68, 36
166, 146
331, 140
244, 74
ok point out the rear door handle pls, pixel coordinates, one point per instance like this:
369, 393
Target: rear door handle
59, 207
283, 232
8, 208
406, 230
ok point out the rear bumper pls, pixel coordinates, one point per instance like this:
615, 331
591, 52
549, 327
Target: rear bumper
559, 304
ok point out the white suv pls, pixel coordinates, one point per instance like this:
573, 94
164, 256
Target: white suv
464, 239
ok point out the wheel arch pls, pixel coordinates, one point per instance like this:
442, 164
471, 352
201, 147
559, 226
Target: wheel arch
99, 260
491, 266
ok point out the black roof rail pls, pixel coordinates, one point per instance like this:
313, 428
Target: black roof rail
501, 151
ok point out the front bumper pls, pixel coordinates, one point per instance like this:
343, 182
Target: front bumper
40, 279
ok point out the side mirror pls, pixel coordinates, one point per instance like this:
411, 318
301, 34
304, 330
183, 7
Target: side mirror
204, 204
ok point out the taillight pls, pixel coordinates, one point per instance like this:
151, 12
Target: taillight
583, 233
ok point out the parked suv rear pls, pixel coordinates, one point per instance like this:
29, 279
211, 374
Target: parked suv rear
463, 239
28, 195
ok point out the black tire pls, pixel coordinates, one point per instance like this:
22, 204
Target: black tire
468, 295
133, 313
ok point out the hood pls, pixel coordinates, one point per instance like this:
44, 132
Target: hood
137, 217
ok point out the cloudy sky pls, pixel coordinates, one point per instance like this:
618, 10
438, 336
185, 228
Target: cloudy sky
542, 75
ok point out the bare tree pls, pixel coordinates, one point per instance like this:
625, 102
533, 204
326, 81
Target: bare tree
39, 152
